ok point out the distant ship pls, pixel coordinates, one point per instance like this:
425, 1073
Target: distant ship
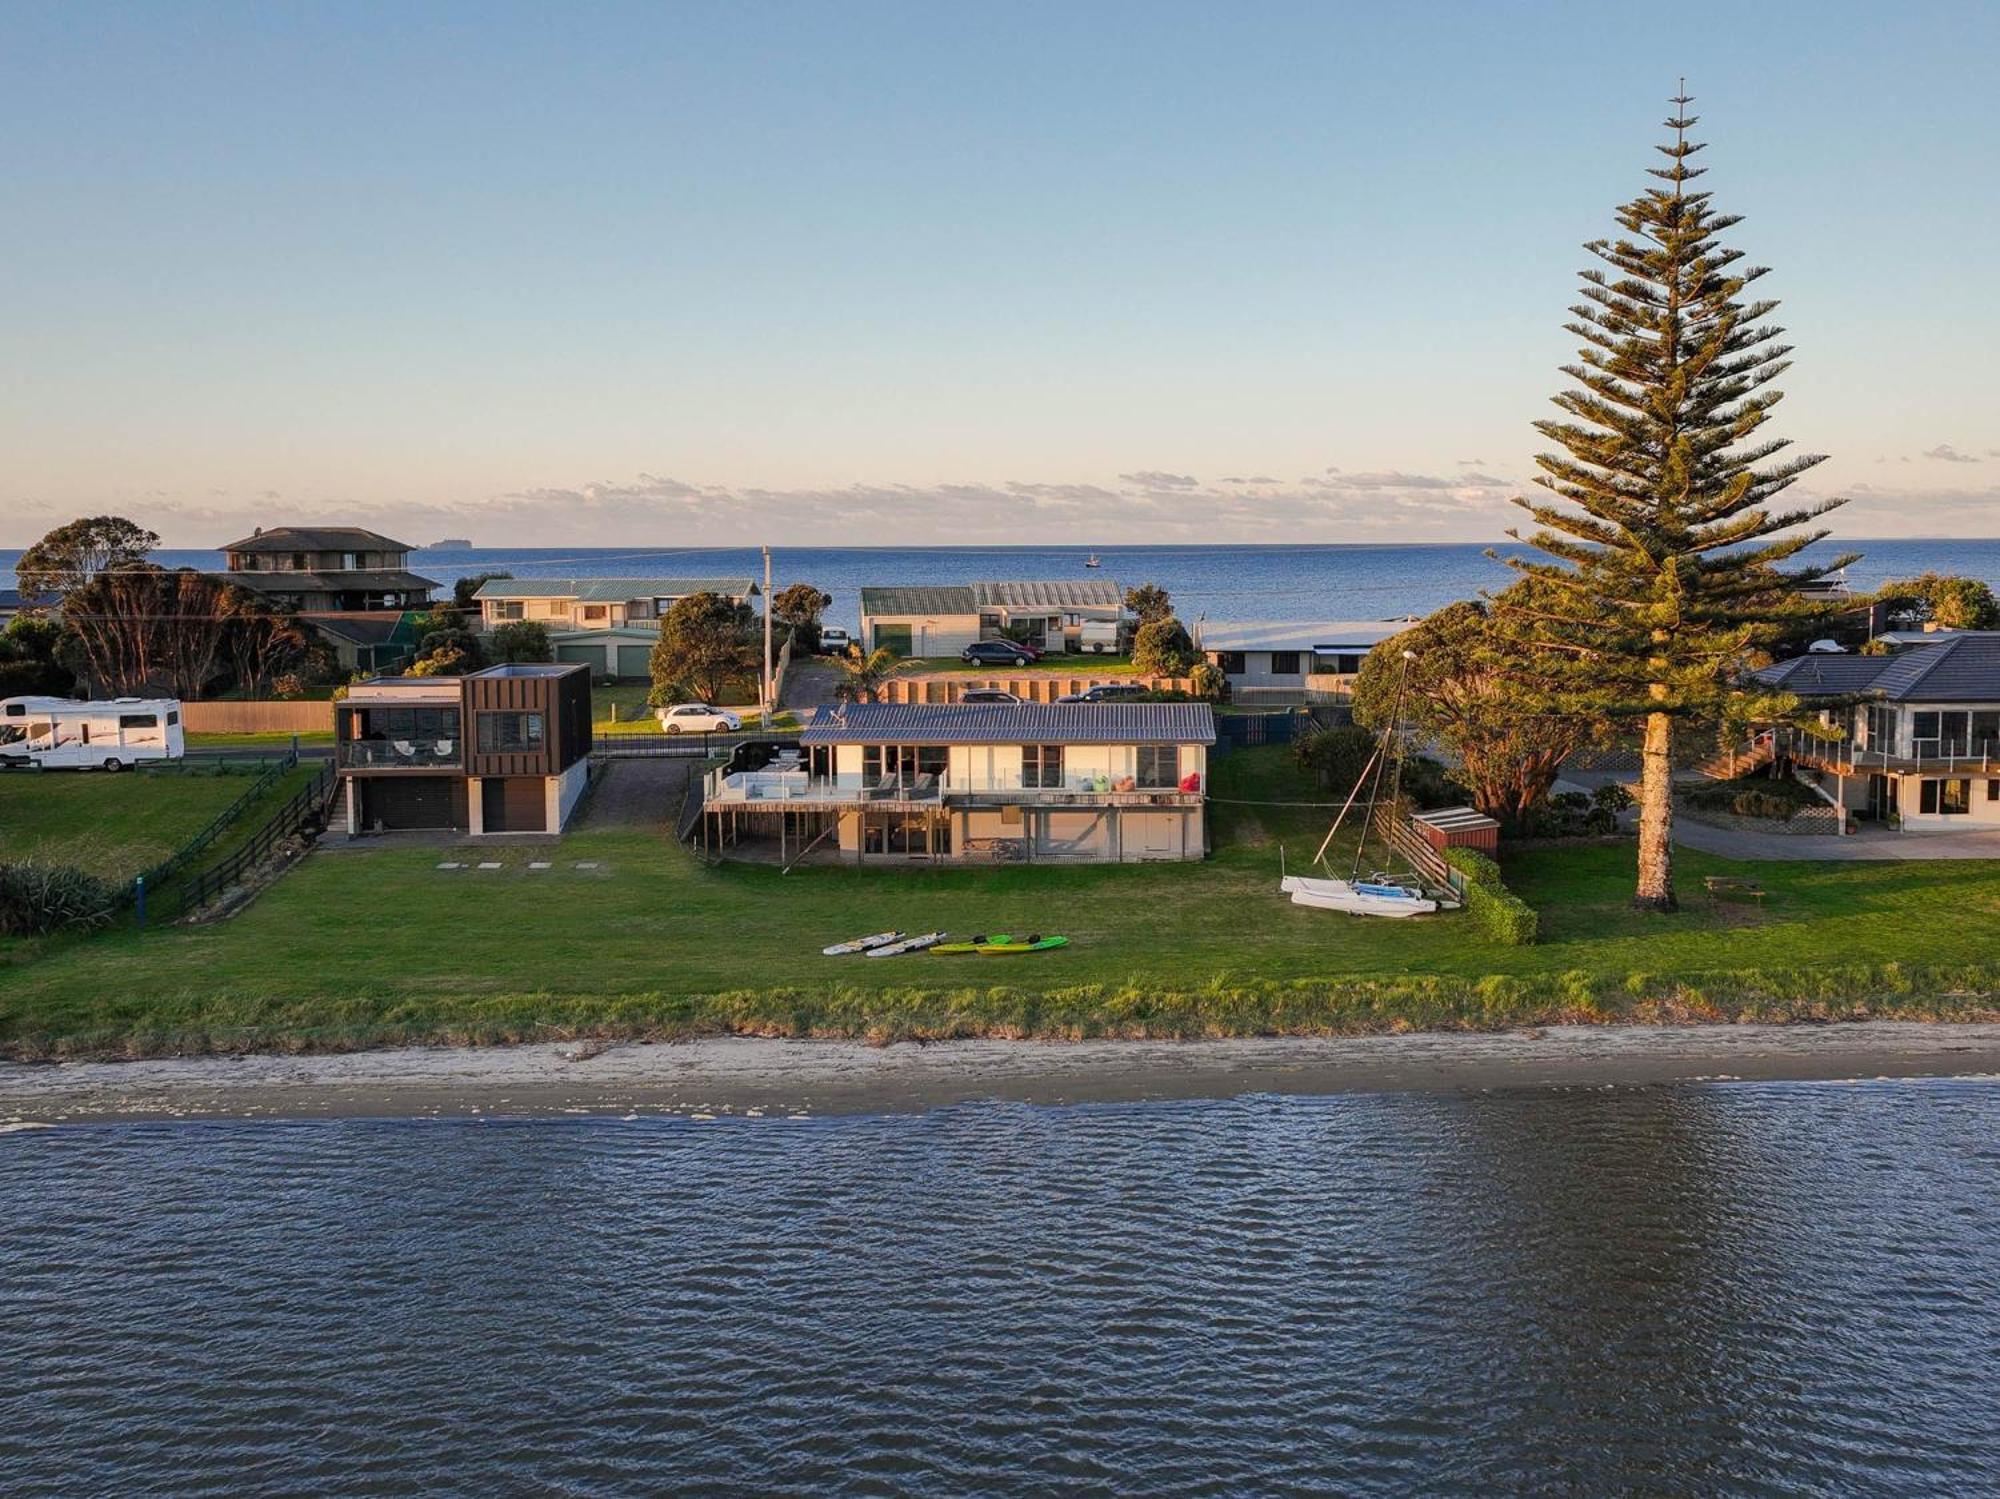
450, 544
1091, 561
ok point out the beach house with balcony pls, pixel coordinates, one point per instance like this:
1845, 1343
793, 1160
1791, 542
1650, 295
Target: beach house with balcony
504, 750
942, 620
1026, 782
1293, 660
326, 570
609, 625
1916, 733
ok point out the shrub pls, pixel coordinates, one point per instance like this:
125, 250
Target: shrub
1162, 648
38, 898
1763, 804
1501, 914
1208, 683
520, 640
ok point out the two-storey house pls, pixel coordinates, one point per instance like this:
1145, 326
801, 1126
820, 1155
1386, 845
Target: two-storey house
504, 750
1294, 661
1091, 782
326, 570
607, 624
1918, 731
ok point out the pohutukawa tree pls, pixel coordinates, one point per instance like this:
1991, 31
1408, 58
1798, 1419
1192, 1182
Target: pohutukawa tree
1666, 561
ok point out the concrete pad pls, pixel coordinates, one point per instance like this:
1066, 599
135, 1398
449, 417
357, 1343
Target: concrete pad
539, 864
490, 864
451, 864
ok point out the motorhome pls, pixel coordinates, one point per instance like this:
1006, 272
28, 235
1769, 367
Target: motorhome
57, 733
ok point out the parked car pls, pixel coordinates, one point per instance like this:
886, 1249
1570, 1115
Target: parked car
1106, 692
998, 653
1827, 648
987, 695
698, 718
834, 642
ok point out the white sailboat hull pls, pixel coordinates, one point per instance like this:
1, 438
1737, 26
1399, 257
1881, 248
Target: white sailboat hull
1339, 895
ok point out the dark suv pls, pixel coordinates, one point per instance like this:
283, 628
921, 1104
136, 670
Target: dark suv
996, 653
1107, 692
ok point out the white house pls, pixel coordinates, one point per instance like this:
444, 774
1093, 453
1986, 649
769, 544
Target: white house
1921, 730
1089, 782
942, 620
1296, 660
595, 603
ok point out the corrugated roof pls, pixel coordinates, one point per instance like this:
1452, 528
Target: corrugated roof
917, 599
317, 539
369, 580
1300, 634
612, 590
1060, 593
1012, 723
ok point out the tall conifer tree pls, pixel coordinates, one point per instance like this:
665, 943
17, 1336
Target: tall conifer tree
1664, 559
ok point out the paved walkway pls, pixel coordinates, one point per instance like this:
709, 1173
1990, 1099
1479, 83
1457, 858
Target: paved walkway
1869, 843
637, 794
809, 684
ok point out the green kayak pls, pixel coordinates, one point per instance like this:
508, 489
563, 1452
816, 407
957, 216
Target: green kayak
972, 944
1027, 944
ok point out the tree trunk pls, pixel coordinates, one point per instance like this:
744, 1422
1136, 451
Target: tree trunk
1656, 818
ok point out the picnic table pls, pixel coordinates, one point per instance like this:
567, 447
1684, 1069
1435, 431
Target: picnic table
1733, 887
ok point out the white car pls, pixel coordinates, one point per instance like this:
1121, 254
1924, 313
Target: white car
697, 718
835, 642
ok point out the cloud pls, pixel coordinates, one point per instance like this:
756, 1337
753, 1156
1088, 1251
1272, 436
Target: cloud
1472, 463
1944, 452
1392, 479
1152, 478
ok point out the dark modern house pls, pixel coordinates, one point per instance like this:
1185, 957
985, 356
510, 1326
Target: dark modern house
327, 570
504, 750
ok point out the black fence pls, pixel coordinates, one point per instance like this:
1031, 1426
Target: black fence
1246, 730
305, 811
267, 773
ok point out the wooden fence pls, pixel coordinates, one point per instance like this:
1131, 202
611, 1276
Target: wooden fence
1029, 687
257, 716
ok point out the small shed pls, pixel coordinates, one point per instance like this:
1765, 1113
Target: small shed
1458, 827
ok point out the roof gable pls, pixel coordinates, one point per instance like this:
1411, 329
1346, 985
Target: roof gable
1012, 723
918, 599
316, 539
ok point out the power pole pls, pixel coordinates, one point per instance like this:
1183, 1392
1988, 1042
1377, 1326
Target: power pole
770, 688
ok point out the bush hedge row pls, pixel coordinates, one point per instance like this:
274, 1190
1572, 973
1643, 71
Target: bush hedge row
39, 898
1501, 914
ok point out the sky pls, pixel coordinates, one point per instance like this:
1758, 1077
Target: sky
902, 274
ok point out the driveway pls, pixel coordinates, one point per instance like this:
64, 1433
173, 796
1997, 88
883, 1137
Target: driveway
643, 793
809, 684
1868, 843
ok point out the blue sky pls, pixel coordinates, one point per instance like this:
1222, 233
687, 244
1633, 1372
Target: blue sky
722, 273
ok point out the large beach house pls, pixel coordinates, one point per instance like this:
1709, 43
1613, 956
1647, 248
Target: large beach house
1920, 730
1095, 782
607, 624
326, 570
942, 620
1294, 660
504, 750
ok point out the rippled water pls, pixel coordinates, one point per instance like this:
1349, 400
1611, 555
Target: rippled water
1756, 1289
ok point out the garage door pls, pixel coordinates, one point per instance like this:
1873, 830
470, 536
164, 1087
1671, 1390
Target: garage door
893, 638
411, 802
591, 656
635, 661
513, 804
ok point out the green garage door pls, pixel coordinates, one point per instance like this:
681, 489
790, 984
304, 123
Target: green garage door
635, 661
894, 639
591, 656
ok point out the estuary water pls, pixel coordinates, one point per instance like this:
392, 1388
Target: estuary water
1755, 1289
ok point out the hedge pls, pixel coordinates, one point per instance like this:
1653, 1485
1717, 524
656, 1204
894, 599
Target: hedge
1501, 914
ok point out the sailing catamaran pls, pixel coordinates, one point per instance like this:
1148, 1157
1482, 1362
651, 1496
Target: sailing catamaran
1379, 894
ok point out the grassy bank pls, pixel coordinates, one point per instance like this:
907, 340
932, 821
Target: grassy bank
360, 948
112, 825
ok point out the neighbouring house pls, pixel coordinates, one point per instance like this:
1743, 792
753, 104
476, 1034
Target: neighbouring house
565, 604
1920, 731
368, 640
312, 570
1294, 660
504, 750
1089, 782
11, 604
942, 620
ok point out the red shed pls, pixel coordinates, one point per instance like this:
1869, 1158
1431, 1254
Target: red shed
1458, 827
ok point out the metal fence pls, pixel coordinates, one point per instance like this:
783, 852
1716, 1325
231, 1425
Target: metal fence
135, 894
305, 810
1247, 730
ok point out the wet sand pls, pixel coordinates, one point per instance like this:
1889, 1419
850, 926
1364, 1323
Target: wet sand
739, 1076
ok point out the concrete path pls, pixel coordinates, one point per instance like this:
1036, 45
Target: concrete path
809, 684
1869, 843
637, 794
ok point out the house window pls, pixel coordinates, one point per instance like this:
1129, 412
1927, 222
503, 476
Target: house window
1985, 733
1993, 791
902, 764
1159, 765
1231, 662
989, 624
299, 563
595, 612
1946, 798
507, 609
351, 561
1284, 663
501, 732
1041, 765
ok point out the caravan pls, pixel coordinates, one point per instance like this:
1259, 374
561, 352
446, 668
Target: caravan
55, 732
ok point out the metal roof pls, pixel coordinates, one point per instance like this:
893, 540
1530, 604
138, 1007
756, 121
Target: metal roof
613, 590
1300, 634
917, 599
1455, 819
1012, 723
1060, 593
1960, 668
317, 539
337, 580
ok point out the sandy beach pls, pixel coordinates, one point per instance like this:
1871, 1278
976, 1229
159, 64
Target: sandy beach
738, 1076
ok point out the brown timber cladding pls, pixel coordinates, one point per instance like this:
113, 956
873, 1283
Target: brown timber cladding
562, 701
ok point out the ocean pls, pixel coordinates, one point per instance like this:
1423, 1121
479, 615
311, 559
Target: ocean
1346, 582
1767, 1289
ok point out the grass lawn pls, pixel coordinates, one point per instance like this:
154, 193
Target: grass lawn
628, 701
368, 947
112, 825
272, 740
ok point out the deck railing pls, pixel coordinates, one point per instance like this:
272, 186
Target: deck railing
306, 809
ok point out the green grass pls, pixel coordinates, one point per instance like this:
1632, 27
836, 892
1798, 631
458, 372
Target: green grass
370, 947
111, 825
634, 717
273, 739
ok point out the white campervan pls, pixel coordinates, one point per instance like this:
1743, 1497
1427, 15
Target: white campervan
57, 732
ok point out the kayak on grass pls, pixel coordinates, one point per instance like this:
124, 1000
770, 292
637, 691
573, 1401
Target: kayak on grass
1033, 943
909, 944
971, 944
861, 944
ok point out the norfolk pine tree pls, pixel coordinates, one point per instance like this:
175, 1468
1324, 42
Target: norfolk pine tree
1665, 562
